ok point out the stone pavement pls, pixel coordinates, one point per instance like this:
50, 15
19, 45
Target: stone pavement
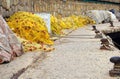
76, 56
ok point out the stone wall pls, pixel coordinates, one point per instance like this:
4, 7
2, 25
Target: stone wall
117, 1
8, 7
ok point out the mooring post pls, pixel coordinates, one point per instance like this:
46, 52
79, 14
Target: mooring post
111, 24
116, 68
98, 34
105, 44
94, 28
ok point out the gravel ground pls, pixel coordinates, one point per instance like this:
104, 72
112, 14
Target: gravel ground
75, 58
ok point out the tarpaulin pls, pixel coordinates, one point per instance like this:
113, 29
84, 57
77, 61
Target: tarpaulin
101, 15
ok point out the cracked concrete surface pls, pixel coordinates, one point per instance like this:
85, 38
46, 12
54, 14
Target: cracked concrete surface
27, 59
75, 58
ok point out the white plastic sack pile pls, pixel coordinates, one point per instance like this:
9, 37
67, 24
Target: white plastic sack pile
101, 15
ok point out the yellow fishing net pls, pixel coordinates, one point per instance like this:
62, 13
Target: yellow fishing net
55, 27
31, 31
30, 27
32, 46
71, 22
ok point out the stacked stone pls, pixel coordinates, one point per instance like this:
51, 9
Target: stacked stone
116, 1
8, 7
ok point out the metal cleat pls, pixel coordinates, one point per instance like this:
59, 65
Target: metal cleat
116, 68
105, 44
98, 34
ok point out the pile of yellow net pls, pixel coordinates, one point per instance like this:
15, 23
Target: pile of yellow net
32, 46
30, 27
71, 22
55, 26
32, 31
